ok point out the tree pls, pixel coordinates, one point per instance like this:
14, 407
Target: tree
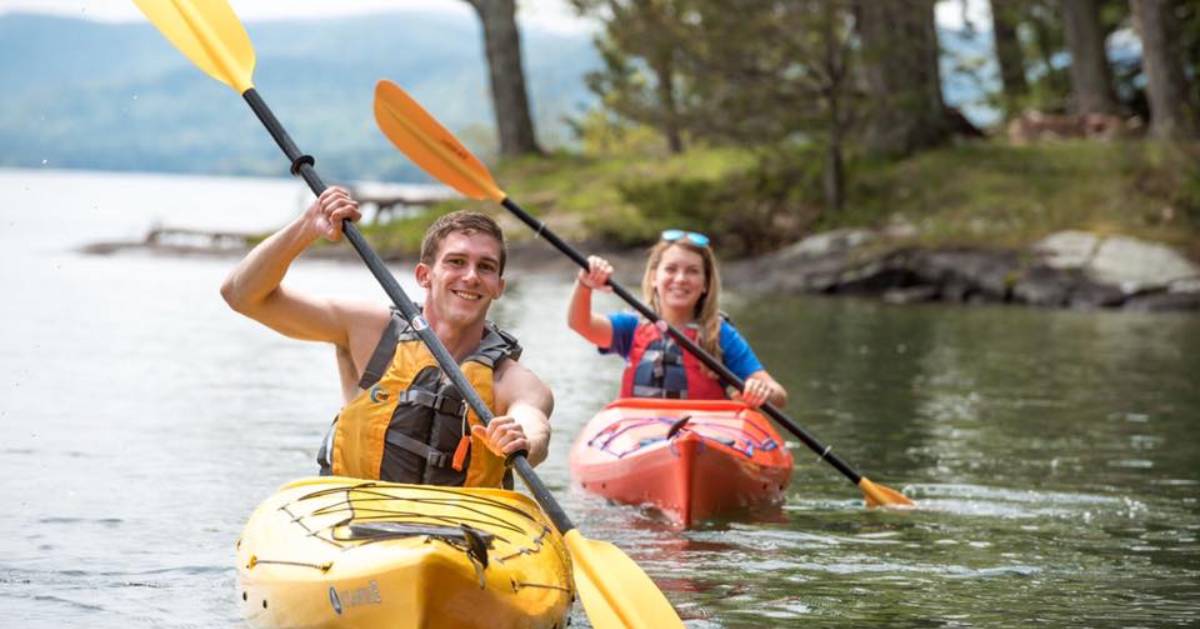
1171, 113
640, 36
1091, 77
502, 44
1009, 56
777, 73
902, 78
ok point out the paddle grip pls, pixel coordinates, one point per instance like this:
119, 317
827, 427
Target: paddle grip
709, 361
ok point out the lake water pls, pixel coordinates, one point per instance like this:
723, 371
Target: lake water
1056, 455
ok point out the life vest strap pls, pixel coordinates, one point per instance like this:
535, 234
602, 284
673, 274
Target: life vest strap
657, 392
441, 403
433, 457
381, 358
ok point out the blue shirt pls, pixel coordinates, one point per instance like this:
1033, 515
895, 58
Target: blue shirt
735, 351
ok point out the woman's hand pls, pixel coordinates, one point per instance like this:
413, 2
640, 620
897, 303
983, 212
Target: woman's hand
326, 214
596, 277
760, 388
503, 435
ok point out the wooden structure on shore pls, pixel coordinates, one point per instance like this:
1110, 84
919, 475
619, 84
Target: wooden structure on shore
381, 204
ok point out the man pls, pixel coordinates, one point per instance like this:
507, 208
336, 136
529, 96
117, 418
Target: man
404, 421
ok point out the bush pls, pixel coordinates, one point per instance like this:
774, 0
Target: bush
745, 212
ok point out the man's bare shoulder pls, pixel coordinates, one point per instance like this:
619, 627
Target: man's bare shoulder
364, 323
362, 316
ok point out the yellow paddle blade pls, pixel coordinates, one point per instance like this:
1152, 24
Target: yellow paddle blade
883, 496
615, 592
209, 33
429, 145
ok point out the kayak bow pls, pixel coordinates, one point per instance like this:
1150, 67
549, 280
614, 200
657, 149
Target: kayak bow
693, 460
344, 552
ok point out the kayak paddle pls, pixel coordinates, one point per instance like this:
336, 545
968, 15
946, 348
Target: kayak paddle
428, 144
614, 590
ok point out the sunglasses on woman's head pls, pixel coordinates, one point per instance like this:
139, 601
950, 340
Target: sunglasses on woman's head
698, 239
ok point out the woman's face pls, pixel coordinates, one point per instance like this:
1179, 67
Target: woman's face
679, 279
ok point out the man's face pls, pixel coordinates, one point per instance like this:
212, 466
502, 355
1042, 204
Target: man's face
464, 278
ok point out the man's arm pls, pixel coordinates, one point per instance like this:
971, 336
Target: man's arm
523, 407
253, 287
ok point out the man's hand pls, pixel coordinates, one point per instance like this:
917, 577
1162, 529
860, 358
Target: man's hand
503, 435
326, 214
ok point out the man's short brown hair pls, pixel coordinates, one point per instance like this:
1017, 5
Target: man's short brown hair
463, 221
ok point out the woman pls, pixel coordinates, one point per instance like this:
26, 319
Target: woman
682, 286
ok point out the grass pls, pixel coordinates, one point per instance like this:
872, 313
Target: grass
976, 194
992, 194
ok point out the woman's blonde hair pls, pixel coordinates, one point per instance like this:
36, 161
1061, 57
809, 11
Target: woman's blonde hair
707, 314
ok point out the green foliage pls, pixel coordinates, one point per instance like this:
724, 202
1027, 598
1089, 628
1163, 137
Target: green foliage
689, 68
602, 133
982, 194
991, 194
1171, 172
746, 211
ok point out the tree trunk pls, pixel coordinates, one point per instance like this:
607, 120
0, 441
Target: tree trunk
665, 75
502, 43
1091, 78
833, 180
902, 78
1166, 83
834, 177
1008, 54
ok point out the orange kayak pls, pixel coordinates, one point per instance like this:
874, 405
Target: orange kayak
692, 459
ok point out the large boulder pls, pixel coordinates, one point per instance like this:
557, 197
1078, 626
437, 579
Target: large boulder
825, 243
1073, 269
1133, 266
1137, 266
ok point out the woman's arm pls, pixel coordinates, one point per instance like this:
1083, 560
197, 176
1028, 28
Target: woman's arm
596, 328
758, 386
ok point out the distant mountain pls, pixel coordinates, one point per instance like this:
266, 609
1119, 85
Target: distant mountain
82, 94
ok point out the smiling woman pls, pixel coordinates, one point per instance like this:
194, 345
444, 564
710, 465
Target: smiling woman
682, 285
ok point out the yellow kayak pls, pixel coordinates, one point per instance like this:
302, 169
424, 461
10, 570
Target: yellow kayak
344, 552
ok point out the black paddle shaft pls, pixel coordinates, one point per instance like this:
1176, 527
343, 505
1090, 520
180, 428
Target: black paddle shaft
712, 363
302, 165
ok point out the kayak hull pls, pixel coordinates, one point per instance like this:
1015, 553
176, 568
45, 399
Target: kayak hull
342, 552
693, 460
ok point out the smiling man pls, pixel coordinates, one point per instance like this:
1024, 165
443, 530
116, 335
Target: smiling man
404, 421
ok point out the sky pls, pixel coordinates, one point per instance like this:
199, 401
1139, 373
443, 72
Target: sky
553, 15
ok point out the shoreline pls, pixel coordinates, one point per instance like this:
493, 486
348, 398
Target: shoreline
1069, 270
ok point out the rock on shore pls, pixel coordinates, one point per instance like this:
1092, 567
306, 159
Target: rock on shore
1070, 269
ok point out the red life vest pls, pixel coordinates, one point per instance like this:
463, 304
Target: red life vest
658, 367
